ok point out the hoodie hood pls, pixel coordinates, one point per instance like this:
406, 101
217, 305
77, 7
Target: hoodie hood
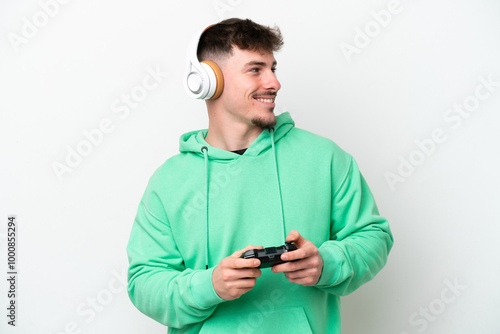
194, 141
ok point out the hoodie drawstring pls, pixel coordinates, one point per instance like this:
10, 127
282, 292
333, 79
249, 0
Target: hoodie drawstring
275, 158
204, 150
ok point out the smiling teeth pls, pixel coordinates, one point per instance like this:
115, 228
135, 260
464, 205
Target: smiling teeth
265, 100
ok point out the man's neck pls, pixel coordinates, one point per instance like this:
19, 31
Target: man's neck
231, 136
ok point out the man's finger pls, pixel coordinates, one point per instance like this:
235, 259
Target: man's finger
241, 251
299, 274
289, 266
297, 254
245, 263
295, 236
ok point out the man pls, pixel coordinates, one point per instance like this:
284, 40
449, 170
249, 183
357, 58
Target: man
252, 179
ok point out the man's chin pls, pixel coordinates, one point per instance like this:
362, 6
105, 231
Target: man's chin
265, 122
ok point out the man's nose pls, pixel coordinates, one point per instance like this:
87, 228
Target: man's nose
271, 81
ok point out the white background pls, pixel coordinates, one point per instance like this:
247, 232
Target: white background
67, 74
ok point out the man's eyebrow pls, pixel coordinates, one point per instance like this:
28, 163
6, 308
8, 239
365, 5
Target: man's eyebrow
260, 63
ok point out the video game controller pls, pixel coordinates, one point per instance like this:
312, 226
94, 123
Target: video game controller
269, 256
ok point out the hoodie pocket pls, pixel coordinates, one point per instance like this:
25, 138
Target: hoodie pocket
282, 320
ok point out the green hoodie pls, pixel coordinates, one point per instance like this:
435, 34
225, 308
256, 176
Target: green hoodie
288, 179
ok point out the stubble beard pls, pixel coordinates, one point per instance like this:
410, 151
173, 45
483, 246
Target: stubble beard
264, 122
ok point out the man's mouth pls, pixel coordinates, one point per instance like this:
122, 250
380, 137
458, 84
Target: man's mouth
265, 99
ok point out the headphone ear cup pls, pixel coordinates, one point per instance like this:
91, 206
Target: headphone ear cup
219, 78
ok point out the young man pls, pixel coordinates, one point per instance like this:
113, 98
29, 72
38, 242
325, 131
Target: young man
252, 179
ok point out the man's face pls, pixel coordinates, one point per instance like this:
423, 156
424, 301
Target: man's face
250, 87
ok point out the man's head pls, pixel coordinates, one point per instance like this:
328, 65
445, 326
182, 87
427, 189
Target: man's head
217, 42
244, 51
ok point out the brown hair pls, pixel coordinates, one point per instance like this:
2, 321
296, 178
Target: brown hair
218, 40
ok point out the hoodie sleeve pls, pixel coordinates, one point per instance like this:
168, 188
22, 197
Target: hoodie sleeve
360, 239
159, 285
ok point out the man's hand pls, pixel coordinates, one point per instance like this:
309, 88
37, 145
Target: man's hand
235, 276
307, 268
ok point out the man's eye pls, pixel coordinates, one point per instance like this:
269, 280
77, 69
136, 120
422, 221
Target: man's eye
254, 70
273, 70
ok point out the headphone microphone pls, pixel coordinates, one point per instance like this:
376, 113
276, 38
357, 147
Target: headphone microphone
202, 80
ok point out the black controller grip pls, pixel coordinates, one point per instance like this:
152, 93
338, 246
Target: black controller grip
269, 256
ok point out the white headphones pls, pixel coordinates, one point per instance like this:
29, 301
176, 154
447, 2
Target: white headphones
203, 80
